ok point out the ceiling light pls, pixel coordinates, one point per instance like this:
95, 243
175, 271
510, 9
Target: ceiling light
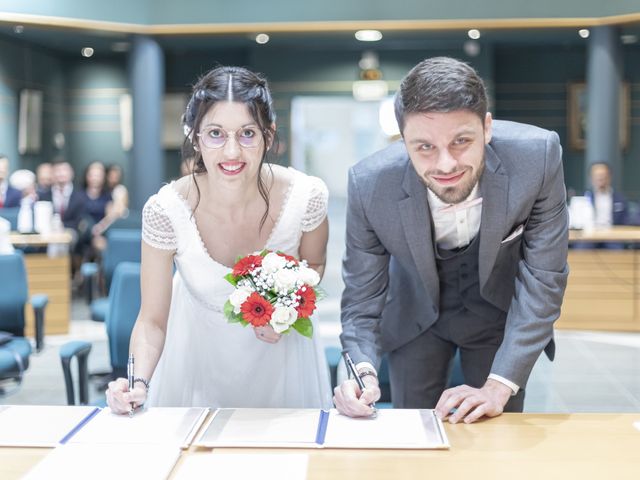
368, 35
584, 32
474, 34
262, 38
18, 29
87, 52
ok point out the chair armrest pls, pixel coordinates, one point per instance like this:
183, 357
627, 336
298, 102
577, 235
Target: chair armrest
39, 303
90, 272
79, 349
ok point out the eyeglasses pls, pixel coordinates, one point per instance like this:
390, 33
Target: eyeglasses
217, 138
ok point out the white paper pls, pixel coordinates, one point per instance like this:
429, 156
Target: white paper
299, 428
263, 427
38, 425
156, 426
106, 462
239, 466
390, 428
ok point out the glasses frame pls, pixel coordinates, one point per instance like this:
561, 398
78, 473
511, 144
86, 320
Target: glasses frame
229, 134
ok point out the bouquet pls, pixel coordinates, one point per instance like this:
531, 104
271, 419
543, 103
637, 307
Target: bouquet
273, 288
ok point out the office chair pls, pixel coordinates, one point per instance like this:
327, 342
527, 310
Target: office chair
14, 295
123, 245
11, 214
124, 305
80, 351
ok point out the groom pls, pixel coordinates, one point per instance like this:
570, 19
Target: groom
456, 240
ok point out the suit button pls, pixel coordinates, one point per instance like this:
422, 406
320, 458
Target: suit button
419, 326
464, 276
435, 309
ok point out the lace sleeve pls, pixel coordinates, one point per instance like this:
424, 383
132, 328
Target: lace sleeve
317, 205
157, 229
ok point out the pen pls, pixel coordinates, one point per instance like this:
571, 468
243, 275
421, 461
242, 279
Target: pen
352, 368
130, 377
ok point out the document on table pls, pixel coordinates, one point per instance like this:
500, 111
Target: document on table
156, 426
310, 428
75, 461
267, 466
40, 425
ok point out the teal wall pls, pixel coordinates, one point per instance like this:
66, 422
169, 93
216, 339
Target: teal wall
225, 11
82, 95
23, 67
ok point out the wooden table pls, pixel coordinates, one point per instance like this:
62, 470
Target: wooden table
603, 290
49, 275
523, 446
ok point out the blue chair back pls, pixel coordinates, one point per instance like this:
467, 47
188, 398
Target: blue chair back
11, 214
124, 305
123, 245
14, 293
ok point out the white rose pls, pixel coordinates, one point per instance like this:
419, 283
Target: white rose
273, 262
309, 276
282, 318
284, 280
238, 297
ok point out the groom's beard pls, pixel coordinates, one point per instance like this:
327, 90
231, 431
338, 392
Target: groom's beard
456, 193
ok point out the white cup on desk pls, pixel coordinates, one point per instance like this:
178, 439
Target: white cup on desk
42, 215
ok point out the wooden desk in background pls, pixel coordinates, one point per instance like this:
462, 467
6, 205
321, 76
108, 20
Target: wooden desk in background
50, 275
525, 446
603, 290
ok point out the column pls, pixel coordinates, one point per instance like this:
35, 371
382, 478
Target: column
604, 76
146, 77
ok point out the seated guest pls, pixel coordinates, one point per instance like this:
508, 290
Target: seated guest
610, 207
67, 201
44, 179
9, 196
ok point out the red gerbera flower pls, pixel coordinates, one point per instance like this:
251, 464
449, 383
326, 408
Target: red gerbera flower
256, 310
306, 302
246, 265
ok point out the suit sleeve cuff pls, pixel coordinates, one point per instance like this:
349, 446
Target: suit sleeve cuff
504, 381
366, 366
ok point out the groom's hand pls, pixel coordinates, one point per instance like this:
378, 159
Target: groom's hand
471, 404
350, 401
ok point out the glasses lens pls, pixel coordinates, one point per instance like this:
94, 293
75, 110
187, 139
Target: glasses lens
214, 138
247, 137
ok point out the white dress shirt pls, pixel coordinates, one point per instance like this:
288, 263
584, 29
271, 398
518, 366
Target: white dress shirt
60, 197
603, 206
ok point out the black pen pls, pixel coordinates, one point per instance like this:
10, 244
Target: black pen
352, 368
130, 377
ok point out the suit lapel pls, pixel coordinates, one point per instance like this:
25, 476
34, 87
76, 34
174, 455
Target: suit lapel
494, 190
416, 223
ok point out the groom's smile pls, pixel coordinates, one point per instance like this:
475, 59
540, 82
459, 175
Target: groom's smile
447, 150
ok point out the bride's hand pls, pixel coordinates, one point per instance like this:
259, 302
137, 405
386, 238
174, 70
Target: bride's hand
266, 334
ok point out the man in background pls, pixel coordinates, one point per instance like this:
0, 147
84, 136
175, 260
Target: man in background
9, 197
609, 206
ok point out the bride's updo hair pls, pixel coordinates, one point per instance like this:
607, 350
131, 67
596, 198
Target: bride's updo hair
230, 84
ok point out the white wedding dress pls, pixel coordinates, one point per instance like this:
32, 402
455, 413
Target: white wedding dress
208, 362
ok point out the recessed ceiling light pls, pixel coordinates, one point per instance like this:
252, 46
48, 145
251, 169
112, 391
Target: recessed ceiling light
87, 52
368, 35
262, 38
584, 32
474, 34
18, 29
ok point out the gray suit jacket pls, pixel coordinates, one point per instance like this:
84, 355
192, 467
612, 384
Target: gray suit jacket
391, 283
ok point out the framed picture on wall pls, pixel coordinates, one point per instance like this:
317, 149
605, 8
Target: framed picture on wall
577, 113
30, 122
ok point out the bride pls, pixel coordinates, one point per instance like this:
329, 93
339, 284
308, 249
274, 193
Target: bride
232, 204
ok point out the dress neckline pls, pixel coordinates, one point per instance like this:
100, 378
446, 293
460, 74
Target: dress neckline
192, 218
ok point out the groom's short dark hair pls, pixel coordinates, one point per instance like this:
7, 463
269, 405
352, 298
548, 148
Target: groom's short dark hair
440, 84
